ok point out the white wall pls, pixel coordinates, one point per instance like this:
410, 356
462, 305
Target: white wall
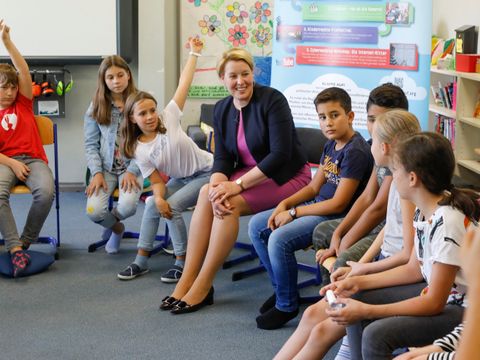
449, 15
157, 37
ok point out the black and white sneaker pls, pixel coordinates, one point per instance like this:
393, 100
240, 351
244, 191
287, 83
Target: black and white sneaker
172, 275
131, 272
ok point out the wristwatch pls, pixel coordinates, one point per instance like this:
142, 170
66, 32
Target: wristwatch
293, 213
239, 182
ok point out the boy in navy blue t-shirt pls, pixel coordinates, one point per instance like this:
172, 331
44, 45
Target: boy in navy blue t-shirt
345, 167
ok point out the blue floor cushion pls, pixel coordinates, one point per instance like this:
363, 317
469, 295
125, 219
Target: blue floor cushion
39, 262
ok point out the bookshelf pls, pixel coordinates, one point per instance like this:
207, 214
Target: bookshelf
465, 128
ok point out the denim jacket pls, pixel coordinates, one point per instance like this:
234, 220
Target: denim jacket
100, 143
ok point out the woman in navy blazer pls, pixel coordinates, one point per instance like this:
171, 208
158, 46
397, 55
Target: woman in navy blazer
258, 162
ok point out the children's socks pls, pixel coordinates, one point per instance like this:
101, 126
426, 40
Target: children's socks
113, 242
107, 232
180, 263
141, 261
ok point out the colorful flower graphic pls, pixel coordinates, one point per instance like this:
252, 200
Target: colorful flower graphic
261, 36
209, 25
238, 35
197, 2
260, 12
237, 12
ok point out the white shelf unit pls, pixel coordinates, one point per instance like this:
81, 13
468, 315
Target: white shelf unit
467, 128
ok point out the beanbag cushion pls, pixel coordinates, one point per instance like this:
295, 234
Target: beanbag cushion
39, 262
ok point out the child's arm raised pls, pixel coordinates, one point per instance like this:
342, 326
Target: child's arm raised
24, 78
186, 77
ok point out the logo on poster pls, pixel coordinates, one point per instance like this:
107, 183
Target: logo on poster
288, 61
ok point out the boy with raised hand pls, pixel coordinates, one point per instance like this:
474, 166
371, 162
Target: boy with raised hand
345, 166
22, 157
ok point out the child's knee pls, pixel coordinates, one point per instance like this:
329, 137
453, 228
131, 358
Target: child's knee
124, 212
44, 196
95, 212
278, 245
314, 313
255, 227
320, 238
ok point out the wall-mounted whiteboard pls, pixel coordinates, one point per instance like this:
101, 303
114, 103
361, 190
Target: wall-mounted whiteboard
67, 29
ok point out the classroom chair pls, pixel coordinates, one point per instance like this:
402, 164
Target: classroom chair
48, 135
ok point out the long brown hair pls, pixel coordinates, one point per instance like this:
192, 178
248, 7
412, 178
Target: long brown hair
102, 100
130, 130
430, 156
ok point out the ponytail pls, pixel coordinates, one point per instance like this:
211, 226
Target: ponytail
465, 200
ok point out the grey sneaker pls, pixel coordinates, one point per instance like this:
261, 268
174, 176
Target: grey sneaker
172, 275
131, 272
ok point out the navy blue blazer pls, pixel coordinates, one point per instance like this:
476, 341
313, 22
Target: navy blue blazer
269, 132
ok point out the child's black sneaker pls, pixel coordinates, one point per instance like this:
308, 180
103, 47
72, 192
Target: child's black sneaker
20, 261
131, 272
172, 275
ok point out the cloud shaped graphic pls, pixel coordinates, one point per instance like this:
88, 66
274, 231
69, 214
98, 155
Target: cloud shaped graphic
407, 83
300, 98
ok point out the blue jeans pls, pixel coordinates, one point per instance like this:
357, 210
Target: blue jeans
41, 184
97, 204
276, 251
181, 194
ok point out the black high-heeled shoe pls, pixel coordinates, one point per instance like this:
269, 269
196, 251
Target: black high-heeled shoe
182, 307
168, 302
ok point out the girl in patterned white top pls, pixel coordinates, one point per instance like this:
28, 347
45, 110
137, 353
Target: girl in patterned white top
422, 300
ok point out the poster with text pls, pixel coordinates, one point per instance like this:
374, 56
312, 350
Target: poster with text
355, 45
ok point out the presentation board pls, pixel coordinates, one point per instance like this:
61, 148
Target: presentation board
70, 31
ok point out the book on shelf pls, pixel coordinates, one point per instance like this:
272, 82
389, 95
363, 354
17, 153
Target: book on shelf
446, 126
445, 95
454, 95
436, 96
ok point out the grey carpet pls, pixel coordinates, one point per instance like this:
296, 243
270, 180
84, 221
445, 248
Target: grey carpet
79, 310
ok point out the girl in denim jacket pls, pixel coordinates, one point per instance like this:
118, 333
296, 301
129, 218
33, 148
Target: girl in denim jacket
108, 168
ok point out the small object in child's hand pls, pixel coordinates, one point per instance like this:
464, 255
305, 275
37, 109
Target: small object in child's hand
332, 300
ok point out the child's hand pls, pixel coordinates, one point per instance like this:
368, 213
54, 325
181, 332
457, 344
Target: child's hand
352, 312
343, 288
281, 219
96, 183
420, 353
163, 208
129, 182
20, 170
4, 31
195, 44
324, 254
340, 274
271, 220
357, 268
